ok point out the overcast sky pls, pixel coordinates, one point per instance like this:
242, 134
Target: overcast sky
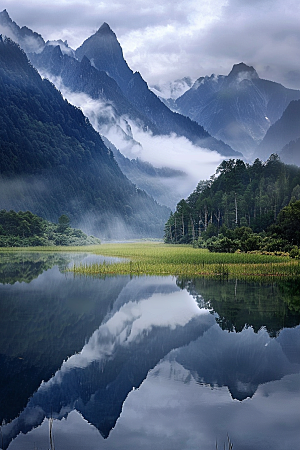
170, 40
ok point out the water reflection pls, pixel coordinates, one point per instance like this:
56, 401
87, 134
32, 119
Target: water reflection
239, 303
149, 363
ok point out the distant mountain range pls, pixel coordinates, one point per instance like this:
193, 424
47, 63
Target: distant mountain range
97, 71
99, 66
238, 108
225, 114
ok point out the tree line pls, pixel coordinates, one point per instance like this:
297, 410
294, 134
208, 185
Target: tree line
242, 207
24, 229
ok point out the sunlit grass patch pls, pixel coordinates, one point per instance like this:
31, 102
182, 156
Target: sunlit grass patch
163, 259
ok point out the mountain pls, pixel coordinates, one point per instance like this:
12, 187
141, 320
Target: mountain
28, 40
83, 77
237, 108
120, 106
283, 136
53, 162
105, 53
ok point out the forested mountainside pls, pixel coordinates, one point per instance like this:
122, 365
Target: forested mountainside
283, 136
53, 162
237, 108
241, 197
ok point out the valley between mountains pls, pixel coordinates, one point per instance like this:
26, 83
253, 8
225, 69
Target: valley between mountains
83, 135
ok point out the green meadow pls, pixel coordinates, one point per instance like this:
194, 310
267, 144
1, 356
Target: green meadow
163, 259
152, 258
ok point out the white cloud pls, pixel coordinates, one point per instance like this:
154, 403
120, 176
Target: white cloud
175, 39
161, 151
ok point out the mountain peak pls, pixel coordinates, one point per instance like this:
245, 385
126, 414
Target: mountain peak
4, 13
4, 17
105, 29
105, 54
242, 71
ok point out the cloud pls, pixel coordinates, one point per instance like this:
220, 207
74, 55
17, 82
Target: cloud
175, 39
161, 151
177, 153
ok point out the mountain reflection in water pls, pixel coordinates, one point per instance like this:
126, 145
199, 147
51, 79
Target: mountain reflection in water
148, 363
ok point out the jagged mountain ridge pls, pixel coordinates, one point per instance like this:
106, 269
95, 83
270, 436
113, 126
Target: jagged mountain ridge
237, 108
53, 162
172, 90
114, 113
82, 76
105, 53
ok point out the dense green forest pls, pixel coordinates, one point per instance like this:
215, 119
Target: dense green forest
24, 229
242, 207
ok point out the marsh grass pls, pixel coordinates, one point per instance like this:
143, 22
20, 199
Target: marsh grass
152, 258
184, 260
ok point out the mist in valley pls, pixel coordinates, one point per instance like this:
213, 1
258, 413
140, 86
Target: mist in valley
189, 163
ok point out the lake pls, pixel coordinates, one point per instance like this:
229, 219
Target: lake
145, 362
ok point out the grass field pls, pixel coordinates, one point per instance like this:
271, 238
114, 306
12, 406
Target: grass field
153, 258
163, 259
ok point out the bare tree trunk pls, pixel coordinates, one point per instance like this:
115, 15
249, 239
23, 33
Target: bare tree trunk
193, 228
236, 209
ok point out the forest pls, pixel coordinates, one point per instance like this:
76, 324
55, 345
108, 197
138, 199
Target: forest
53, 162
242, 207
24, 229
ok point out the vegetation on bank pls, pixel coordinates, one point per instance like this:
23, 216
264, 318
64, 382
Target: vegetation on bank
243, 206
185, 260
24, 229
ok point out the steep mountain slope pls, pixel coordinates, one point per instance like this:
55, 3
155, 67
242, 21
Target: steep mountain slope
105, 53
83, 77
53, 162
281, 134
237, 108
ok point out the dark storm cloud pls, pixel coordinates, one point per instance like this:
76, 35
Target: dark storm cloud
180, 38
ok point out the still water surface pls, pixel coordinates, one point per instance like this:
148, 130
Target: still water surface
145, 362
